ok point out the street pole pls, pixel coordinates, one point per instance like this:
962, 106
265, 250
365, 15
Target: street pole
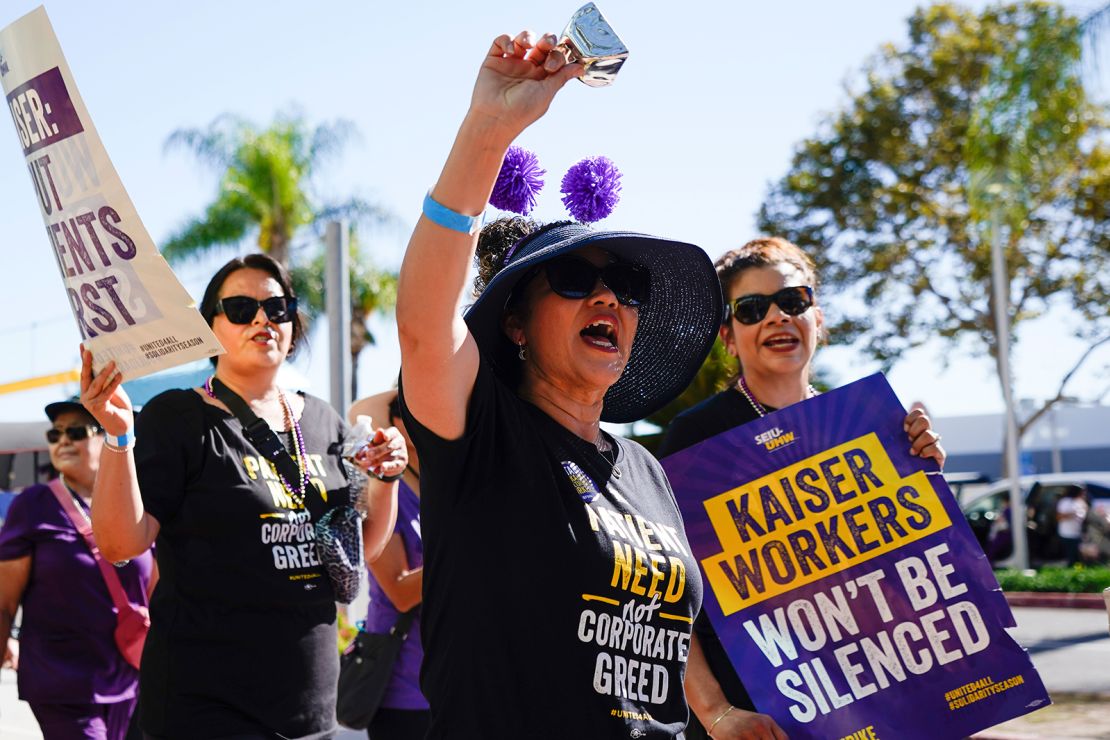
1057, 460
337, 281
1002, 327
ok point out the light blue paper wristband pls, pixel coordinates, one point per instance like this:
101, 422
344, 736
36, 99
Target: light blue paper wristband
441, 215
123, 442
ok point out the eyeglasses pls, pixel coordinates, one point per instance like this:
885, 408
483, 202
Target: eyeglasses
574, 277
241, 309
74, 433
750, 309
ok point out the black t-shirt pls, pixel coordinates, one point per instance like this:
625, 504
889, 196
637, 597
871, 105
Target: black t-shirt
715, 415
558, 597
243, 630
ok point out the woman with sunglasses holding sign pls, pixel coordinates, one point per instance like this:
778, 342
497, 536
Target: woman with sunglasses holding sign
243, 635
772, 326
556, 569
71, 672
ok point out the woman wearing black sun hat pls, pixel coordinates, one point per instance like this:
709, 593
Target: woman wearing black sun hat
556, 568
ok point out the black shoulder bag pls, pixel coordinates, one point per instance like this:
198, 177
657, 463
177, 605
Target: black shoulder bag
338, 531
365, 669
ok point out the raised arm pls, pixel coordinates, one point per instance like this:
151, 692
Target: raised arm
439, 359
122, 527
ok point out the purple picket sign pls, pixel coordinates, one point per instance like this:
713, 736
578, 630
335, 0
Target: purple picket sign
842, 579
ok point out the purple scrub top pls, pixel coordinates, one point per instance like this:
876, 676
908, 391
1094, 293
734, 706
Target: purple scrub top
403, 691
67, 652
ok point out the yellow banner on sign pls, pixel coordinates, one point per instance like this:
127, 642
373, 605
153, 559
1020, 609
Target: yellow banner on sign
827, 513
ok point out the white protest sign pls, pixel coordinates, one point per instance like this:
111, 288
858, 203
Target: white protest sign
127, 302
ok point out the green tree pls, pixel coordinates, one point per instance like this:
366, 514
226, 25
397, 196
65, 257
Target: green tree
267, 187
895, 193
267, 192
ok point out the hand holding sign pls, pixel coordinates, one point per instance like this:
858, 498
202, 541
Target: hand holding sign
924, 442
103, 396
844, 583
741, 725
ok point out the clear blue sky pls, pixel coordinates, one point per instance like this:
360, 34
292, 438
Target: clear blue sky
703, 116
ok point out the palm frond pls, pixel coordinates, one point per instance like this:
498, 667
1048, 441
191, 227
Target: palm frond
266, 181
214, 145
222, 224
329, 139
358, 211
1093, 28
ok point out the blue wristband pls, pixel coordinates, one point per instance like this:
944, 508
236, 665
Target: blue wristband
441, 215
122, 442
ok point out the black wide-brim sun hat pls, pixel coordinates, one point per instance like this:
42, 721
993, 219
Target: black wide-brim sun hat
676, 328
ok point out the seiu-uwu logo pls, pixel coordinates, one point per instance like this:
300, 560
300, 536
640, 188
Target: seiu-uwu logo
772, 439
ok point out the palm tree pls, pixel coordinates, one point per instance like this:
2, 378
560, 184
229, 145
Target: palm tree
1013, 153
266, 184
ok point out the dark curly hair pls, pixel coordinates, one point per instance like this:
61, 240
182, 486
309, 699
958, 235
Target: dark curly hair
497, 238
494, 241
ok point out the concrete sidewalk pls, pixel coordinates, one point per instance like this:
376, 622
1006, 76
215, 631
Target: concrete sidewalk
1071, 650
16, 720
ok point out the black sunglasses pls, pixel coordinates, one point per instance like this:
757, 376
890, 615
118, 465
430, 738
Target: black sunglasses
574, 277
750, 309
241, 309
75, 433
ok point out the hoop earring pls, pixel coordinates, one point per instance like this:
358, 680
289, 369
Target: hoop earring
523, 353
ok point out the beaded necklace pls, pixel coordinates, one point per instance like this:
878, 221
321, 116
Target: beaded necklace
291, 423
742, 386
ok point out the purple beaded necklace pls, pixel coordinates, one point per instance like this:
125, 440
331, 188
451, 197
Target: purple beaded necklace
742, 386
298, 446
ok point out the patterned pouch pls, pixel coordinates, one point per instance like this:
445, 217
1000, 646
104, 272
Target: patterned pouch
339, 545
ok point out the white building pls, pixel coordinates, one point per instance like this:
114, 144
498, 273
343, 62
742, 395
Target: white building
1067, 438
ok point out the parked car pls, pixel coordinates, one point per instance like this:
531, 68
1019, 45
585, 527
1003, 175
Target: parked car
966, 486
988, 513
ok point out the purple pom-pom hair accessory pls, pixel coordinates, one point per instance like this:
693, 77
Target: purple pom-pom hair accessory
518, 182
591, 189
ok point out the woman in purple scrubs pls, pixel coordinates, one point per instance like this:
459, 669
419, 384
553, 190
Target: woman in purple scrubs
396, 581
71, 673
